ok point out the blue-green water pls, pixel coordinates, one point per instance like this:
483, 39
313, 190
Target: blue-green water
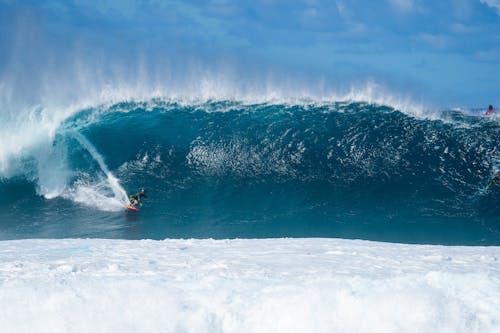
227, 169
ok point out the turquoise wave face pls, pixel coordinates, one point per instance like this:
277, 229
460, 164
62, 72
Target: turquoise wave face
225, 169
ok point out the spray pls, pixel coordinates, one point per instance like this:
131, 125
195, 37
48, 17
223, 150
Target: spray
114, 184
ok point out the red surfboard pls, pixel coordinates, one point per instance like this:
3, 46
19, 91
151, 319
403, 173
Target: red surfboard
132, 208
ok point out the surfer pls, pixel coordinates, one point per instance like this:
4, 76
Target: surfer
490, 111
135, 199
495, 180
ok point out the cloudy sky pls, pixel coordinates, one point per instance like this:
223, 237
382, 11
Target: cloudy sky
446, 51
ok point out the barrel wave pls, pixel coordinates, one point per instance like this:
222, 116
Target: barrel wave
231, 169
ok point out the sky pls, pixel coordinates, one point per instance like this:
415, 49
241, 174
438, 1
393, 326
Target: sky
445, 52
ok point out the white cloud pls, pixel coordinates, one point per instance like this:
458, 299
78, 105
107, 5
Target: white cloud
436, 41
340, 7
463, 29
404, 5
492, 3
487, 56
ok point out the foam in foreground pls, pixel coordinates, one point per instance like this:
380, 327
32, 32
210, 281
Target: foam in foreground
274, 285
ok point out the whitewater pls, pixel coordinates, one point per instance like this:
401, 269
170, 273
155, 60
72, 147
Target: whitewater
266, 285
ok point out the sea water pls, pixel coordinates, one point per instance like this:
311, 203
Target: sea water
265, 216
226, 169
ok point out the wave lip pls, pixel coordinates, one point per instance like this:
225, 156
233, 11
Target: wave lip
268, 285
25, 126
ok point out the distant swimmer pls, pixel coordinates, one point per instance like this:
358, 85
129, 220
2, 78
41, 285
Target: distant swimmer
135, 199
490, 111
494, 181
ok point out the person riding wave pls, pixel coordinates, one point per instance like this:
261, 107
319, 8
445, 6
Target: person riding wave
490, 111
135, 199
494, 181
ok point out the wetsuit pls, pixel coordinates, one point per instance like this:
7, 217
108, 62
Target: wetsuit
136, 197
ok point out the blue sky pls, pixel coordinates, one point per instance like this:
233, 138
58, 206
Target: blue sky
446, 52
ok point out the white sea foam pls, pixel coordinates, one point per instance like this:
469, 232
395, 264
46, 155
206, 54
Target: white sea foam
272, 285
96, 194
87, 193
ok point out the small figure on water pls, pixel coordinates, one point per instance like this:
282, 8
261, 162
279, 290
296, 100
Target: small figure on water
135, 199
490, 111
494, 181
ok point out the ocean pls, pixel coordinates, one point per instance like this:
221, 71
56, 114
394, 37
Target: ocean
233, 169
268, 216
